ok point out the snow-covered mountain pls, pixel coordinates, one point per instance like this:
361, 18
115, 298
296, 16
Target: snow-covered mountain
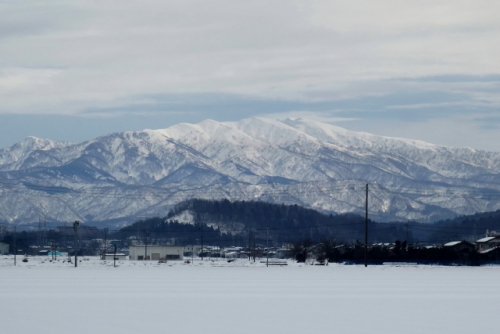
122, 176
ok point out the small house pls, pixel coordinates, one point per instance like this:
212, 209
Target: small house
487, 243
460, 246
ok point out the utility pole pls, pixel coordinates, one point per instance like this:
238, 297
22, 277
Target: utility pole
105, 242
201, 240
39, 233
220, 241
44, 232
366, 227
146, 247
114, 257
75, 228
15, 245
407, 241
267, 247
254, 250
249, 245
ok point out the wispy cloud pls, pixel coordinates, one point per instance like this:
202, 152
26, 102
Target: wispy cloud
324, 117
362, 61
291, 50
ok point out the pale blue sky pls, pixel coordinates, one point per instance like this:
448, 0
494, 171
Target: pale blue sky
417, 69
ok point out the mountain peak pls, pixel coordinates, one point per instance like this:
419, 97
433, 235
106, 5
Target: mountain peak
32, 143
295, 160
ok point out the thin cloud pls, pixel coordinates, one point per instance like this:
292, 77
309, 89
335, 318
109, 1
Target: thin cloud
223, 59
317, 116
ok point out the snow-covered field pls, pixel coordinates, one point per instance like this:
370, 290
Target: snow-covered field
243, 297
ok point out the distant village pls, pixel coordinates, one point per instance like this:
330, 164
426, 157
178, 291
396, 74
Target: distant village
135, 250
484, 250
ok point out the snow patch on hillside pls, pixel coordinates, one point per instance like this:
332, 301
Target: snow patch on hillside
185, 217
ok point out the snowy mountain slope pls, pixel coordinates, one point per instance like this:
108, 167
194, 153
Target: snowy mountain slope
30, 152
144, 173
448, 160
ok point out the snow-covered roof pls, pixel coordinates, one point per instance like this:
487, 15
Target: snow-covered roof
453, 243
486, 239
488, 250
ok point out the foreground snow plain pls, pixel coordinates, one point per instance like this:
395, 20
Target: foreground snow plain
244, 297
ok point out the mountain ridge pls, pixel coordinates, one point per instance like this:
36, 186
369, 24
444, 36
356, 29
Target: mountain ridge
299, 161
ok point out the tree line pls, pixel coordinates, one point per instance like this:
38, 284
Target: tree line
226, 223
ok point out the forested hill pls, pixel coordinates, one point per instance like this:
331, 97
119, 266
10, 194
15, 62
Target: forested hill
290, 220
471, 227
236, 221
233, 223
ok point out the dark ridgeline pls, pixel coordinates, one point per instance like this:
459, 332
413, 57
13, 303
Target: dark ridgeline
471, 227
229, 223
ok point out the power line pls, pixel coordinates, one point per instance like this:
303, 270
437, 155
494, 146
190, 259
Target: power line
312, 187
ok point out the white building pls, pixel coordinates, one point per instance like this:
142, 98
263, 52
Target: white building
137, 252
4, 248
